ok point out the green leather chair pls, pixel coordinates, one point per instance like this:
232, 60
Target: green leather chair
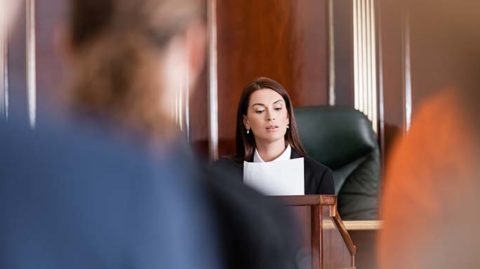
342, 138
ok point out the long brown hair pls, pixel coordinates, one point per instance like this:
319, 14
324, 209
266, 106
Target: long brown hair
117, 44
245, 143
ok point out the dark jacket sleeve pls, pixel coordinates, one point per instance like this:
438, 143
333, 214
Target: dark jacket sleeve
256, 232
318, 178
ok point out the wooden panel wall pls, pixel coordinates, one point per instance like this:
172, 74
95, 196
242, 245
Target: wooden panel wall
198, 129
391, 18
49, 14
401, 26
17, 69
343, 51
287, 40
282, 39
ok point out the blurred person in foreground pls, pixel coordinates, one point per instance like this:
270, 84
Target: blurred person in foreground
430, 206
78, 195
128, 60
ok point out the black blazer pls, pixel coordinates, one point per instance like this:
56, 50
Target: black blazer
318, 177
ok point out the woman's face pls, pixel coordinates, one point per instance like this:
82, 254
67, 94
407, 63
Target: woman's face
267, 116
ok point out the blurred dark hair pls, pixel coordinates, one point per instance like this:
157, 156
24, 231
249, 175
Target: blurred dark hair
116, 42
245, 143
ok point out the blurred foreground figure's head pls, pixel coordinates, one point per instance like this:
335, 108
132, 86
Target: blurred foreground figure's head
430, 206
131, 57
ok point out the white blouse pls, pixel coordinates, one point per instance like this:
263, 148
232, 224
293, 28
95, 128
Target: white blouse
284, 156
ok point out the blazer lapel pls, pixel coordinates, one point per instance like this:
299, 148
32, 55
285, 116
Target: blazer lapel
294, 154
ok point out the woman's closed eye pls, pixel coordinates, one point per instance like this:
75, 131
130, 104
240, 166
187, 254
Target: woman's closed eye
259, 111
278, 108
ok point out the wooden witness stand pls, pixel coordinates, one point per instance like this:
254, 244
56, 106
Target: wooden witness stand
324, 234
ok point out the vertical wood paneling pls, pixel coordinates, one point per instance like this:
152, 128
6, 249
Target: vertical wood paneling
406, 67
199, 102
391, 16
199, 133
431, 66
18, 107
407, 73
213, 77
3, 66
31, 62
365, 59
282, 39
343, 32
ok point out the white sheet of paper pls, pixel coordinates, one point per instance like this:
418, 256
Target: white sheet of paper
276, 178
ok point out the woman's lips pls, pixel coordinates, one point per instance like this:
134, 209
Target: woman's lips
272, 128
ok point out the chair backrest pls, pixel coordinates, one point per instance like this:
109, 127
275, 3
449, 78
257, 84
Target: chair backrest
342, 138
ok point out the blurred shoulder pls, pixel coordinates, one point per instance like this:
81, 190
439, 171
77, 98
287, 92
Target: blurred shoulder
227, 165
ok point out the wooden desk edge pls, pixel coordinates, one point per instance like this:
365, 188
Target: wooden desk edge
307, 200
362, 225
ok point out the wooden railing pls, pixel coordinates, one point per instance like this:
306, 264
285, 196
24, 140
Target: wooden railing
324, 233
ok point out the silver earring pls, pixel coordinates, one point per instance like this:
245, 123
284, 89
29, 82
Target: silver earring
248, 131
288, 126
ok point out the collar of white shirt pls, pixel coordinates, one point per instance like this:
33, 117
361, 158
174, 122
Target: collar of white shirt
284, 156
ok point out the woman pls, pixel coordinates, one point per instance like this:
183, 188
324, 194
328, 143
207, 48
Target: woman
267, 131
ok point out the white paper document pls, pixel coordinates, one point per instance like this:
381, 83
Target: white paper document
284, 177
